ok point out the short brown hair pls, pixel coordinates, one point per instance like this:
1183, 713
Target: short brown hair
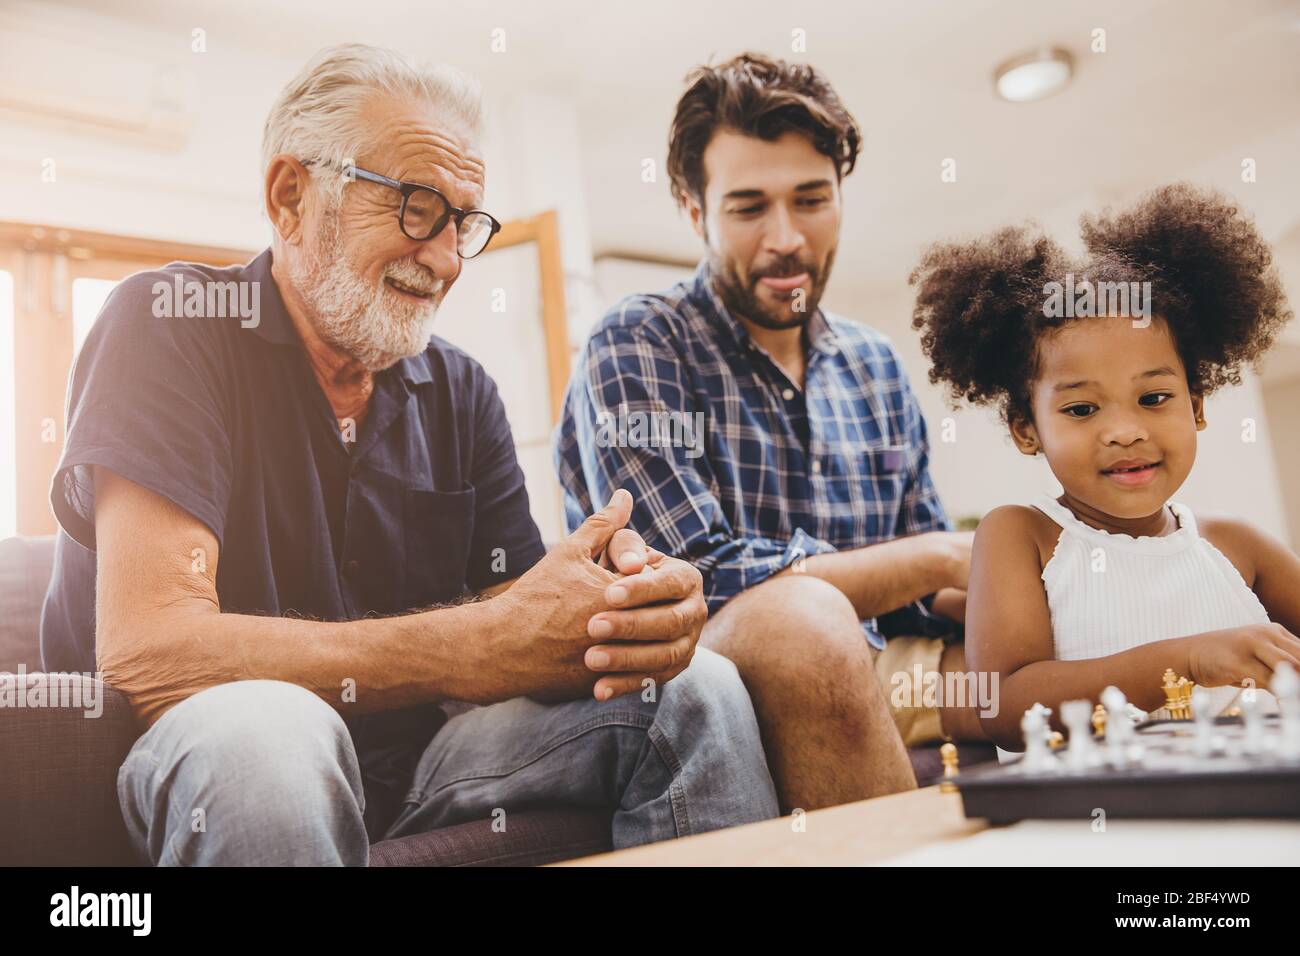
758, 96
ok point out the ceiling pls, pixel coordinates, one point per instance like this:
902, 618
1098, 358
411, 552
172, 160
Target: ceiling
1185, 88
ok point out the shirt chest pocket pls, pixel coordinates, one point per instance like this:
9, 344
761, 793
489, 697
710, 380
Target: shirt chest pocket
885, 462
438, 529
884, 474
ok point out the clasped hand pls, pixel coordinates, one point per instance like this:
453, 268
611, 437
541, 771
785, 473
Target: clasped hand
603, 613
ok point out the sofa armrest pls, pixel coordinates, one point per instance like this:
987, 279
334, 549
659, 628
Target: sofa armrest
62, 739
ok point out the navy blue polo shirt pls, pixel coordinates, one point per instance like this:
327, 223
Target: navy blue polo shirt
225, 419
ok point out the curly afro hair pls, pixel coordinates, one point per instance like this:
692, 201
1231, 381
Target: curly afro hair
980, 304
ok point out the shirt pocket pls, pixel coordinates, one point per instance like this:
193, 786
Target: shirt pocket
885, 460
438, 529
884, 473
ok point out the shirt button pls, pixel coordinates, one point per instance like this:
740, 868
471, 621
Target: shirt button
352, 568
788, 394
817, 467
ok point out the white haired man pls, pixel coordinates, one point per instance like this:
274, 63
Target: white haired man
270, 530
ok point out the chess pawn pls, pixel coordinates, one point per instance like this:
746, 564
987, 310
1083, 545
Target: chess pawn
1119, 729
1082, 752
1116, 711
1038, 755
1207, 742
1286, 688
948, 754
1099, 721
1185, 689
1252, 721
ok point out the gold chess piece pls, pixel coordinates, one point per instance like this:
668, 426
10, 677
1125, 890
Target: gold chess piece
1178, 695
948, 754
1056, 740
1099, 721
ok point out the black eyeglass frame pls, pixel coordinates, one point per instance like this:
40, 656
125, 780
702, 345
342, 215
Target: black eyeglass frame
354, 172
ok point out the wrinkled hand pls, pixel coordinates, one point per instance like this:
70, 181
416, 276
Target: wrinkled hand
579, 618
651, 632
627, 552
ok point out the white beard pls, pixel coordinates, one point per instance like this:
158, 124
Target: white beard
375, 326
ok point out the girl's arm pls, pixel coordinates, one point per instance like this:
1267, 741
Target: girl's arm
1009, 633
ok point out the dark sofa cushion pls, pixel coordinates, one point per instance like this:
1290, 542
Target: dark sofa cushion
58, 780
531, 838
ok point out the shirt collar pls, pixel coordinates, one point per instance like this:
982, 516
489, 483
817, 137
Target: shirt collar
820, 334
276, 327
274, 324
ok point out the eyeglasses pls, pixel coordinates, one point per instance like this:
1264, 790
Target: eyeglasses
425, 212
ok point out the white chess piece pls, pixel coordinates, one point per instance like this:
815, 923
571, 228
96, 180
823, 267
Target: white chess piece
1121, 746
1082, 752
1038, 755
1207, 742
1252, 719
1286, 688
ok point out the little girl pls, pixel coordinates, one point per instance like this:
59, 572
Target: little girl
1112, 582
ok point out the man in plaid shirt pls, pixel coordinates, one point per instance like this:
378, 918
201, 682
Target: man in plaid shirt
778, 447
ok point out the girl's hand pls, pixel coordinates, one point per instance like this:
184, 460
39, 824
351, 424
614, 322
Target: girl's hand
1239, 654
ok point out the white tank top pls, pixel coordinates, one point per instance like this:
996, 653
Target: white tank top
1111, 592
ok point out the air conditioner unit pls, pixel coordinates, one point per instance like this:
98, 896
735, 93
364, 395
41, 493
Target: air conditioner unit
53, 81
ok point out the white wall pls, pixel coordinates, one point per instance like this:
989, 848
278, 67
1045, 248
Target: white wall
206, 186
1283, 403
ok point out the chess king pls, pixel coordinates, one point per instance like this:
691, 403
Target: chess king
1113, 582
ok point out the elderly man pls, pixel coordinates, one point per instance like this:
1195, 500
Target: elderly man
273, 532
803, 493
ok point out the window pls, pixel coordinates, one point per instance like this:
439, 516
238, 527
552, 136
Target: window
55, 283
88, 297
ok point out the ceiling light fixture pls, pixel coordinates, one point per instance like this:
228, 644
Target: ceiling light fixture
1033, 76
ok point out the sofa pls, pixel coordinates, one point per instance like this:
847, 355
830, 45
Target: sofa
58, 769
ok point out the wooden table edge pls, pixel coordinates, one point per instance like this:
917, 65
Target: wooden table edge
864, 833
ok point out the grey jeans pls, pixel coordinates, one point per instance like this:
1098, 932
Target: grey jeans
266, 773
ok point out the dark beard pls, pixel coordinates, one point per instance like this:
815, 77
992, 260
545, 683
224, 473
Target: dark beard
740, 293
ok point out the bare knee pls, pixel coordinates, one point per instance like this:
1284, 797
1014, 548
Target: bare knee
794, 628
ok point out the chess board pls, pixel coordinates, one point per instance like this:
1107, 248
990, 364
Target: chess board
1166, 772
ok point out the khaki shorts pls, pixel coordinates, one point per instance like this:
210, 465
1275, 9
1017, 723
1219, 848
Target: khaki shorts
896, 669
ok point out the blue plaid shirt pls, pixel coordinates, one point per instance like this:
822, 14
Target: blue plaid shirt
779, 473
